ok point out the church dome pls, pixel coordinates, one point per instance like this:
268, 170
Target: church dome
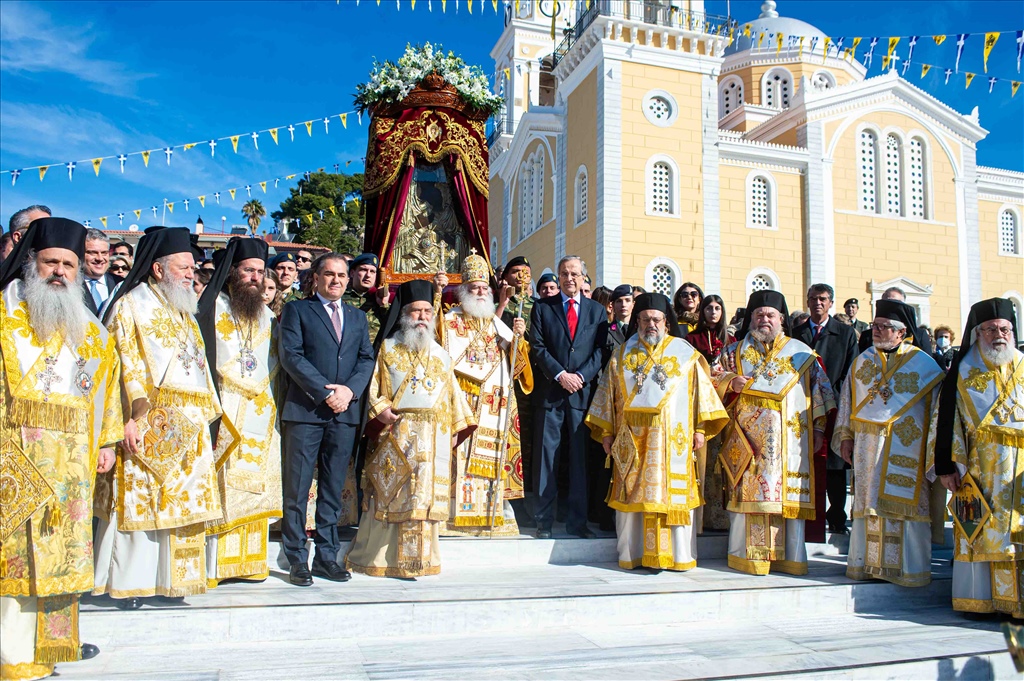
770, 22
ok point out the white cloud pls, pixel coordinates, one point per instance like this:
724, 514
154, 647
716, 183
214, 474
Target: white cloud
31, 42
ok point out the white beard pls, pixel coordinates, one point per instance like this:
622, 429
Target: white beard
179, 293
997, 357
653, 338
55, 310
886, 346
481, 307
414, 335
765, 336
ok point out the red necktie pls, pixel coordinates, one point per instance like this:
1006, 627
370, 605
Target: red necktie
570, 317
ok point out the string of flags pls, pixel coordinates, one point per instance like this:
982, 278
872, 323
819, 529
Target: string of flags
216, 196
482, 4
275, 134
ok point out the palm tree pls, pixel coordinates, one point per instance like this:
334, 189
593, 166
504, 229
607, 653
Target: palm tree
254, 211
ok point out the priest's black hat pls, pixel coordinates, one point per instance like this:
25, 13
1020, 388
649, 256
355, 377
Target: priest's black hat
654, 301
898, 311
765, 298
43, 233
413, 291
158, 242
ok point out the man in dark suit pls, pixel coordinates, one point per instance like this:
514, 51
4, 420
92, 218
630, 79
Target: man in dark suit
836, 344
325, 349
568, 347
97, 284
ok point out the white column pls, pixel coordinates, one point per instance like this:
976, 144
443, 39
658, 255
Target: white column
608, 182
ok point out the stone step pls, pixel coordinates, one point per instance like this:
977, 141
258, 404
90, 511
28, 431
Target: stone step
466, 600
783, 642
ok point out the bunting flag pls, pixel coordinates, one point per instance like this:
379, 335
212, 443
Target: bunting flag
71, 169
778, 44
234, 142
87, 224
309, 217
344, 120
990, 42
939, 39
760, 37
154, 209
42, 172
121, 159
869, 57
309, 128
800, 52
291, 131
104, 221
263, 186
216, 195
326, 121
824, 55
991, 84
145, 158
96, 163
170, 206
188, 146
906, 67
213, 147
120, 218
968, 79
321, 213
167, 152
911, 45
961, 39
248, 190
1020, 49
885, 62
924, 69
948, 72
202, 201
138, 214
1014, 84
332, 210
232, 192
893, 42
185, 201
853, 49
255, 140
273, 134
14, 177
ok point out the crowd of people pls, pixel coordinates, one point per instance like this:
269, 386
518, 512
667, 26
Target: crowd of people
165, 414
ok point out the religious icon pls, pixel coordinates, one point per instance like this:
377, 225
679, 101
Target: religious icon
1015, 643
969, 509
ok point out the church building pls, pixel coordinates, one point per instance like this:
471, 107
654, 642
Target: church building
646, 143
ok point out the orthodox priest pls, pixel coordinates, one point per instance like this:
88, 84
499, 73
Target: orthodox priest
239, 331
486, 469
654, 408
60, 417
416, 416
154, 507
980, 433
885, 409
780, 397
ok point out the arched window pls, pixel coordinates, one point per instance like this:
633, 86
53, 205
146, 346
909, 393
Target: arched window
661, 197
538, 189
760, 283
916, 168
777, 87
823, 80
662, 280
760, 201
1009, 233
531, 193
762, 279
893, 175
730, 96
581, 207
867, 166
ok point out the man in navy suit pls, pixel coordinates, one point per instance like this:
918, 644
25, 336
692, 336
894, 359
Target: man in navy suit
567, 345
325, 348
97, 284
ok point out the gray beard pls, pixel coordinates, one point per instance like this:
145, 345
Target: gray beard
886, 346
997, 357
179, 296
55, 310
765, 336
474, 307
653, 338
413, 337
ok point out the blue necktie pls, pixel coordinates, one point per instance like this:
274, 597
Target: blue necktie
95, 293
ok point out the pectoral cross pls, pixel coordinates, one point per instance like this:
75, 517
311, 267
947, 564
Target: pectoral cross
47, 376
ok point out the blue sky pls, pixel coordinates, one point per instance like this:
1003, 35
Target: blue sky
86, 79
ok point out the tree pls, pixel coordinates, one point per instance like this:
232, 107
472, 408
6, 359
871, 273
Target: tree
254, 212
326, 206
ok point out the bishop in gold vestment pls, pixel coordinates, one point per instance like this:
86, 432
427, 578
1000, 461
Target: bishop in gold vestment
241, 345
417, 415
60, 414
979, 441
885, 412
781, 397
653, 410
487, 469
151, 537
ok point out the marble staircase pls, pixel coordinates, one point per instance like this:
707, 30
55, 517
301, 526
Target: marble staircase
553, 609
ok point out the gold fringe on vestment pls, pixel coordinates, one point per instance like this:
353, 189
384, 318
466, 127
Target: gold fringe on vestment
23, 412
175, 397
643, 419
763, 402
797, 513
907, 511
57, 630
482, 468
985, 435
468, 386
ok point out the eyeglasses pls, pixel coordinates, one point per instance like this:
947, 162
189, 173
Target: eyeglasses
994, 331
118, 268
691, 294
882, 327
302, 258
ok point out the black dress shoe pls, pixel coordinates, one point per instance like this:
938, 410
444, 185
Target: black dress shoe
543, 534
329, 569
170, 600
128, 603
89, 651
584, 533
299, 575
839, 529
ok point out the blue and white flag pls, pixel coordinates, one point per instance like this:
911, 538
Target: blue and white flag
255, 140
14, 177
71, 165
948, 72
120, 218
961, 38
167, 152
121, 159
869, 57
213, 147
185, 201
216, 195
291, 131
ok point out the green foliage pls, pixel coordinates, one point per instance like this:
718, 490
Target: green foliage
342, 230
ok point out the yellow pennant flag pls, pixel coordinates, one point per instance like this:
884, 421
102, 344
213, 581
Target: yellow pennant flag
1014, 84
470, 3
760, 37
990, 42
968, 79
232, 192
853, 49
104, 221
273, 134
202, 200
924, 69
824, 56
801, 52
170, 207
145, 158
444, 6
309, 128
412, 3
356, 202
138, 213
348, 163
263, 186
309, 216
289, 177
885, 62
892, 46
189, 146
378, 3
778, 43
508, 74
42, 172
746, 30
494, 4
331, 208
939, 39
96, 162
344, 120
234, 143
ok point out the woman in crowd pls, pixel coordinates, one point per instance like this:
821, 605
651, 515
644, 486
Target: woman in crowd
603, 295
944, 350
273, 296
686, 302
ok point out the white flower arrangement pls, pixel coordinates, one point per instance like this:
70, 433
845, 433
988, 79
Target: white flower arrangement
390, 83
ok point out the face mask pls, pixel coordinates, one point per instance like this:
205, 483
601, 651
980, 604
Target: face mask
942, 342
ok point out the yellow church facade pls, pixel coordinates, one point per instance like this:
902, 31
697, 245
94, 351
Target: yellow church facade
658, 152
